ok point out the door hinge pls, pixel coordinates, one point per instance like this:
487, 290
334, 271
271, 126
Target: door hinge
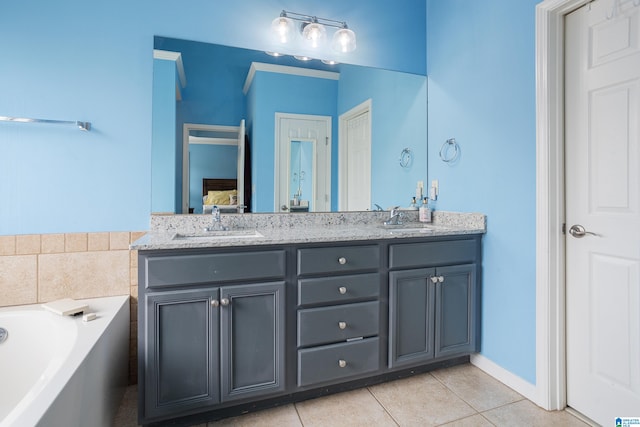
564, 228
326, 140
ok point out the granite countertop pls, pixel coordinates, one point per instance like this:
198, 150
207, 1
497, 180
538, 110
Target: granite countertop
187, 231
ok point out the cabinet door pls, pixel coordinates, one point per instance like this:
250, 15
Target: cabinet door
455, 310
181, 353
252, 340
411, 329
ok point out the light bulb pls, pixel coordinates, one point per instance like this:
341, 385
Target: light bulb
344, 40
314, 33
282, 28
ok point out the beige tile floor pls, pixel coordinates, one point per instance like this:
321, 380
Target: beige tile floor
460, 396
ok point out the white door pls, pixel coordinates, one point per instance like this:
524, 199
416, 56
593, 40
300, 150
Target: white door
355, 159
602, 161
314, 131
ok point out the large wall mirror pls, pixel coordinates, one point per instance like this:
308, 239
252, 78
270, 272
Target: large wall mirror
318, 137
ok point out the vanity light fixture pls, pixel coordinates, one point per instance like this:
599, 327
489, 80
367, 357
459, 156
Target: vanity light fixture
313, 30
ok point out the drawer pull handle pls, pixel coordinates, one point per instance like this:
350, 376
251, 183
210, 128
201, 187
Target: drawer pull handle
342, 260
342, 363
215, 303
342, 290
434, 279
440, 279
342, 325
225, 302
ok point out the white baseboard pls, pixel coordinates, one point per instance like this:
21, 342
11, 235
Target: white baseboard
509, 379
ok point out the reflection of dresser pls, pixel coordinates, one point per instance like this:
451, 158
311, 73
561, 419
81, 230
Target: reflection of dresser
301, 206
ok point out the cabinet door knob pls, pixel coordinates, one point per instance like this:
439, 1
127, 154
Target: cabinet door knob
215, 303
342, 290
342, 325
434, 279
342, 363
225, 301
440, 279
342, 260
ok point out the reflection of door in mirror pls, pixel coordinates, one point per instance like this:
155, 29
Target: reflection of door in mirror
212, 152
354, 175
302, 159
302, 145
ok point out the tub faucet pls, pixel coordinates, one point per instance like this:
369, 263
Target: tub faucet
216, 224
395, 217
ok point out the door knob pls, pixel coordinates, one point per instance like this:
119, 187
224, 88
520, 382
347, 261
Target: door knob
225, 302
284, 208
579, 232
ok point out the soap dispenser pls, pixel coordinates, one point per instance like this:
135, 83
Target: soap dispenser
413, 206
425, 211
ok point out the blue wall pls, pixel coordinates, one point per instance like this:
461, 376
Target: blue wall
209, 161
273, 93
398, 121
165, 194
482, 92
73, 61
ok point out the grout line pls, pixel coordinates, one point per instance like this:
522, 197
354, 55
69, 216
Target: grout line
384, 408
295, 406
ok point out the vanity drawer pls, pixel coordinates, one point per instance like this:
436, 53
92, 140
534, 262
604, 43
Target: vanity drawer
338, 289
338, 259
332, 362
449, 252
211, 268
337, 323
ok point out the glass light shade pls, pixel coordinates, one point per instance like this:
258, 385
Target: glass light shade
314, 33
283, 28
344, 40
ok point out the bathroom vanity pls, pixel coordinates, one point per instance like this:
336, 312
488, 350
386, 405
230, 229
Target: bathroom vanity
233, 324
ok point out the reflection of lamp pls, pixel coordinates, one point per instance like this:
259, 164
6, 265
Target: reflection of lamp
313, 31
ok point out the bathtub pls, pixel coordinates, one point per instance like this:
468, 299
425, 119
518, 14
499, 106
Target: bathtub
60, 371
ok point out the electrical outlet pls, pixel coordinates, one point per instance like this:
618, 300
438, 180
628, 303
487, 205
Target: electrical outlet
433, 194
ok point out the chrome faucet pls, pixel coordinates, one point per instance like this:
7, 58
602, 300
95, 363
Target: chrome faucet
216, 224
395, 217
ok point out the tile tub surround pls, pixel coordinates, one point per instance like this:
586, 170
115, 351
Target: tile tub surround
39, 268
302, 228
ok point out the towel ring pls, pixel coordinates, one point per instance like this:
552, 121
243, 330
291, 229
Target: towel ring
445, 151
405, 157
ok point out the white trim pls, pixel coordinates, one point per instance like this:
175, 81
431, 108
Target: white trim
177, 58
509, 379
550, 282
205, 140
286, 69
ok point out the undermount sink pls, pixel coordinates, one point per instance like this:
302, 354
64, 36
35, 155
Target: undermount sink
218, 235
407, 228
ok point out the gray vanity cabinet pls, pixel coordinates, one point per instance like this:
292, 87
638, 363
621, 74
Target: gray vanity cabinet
208, 344
338, 316
182, 352
433, 311
218, 336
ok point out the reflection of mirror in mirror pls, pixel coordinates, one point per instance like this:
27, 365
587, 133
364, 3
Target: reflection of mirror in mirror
302, 176
214, 94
